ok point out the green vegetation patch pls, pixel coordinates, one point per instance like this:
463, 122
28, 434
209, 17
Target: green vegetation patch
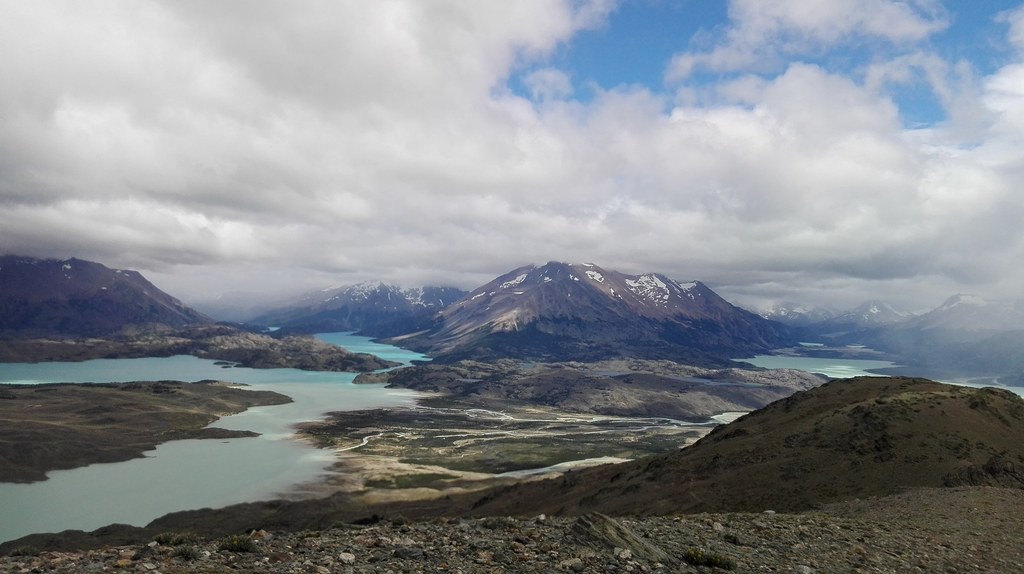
701, 557
237, 543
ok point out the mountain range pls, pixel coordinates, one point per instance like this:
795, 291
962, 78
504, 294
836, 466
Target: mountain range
563, 311
557, 311
797, 314
554, 312
373, 309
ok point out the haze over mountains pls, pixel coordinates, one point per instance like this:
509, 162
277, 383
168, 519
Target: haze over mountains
373, 309
965, 335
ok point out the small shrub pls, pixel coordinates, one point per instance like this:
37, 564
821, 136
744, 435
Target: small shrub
700, 557
732, 538
176, 538
187, 553
238, 543
24, 551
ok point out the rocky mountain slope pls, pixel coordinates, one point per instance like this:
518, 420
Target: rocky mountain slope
561, 311
75, 297
374, 309
855, 438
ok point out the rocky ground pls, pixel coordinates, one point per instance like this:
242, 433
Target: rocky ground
970, 529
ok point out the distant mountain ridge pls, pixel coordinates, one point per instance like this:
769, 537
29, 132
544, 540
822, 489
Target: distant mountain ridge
967, 335
371, 308
563, 311
76, 297
867, 315
796, 314
964, 312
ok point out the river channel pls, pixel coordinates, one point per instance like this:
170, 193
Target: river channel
191, 474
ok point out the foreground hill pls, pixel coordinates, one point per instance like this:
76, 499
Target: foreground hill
373, 309
44, 297
869, 436
562, 311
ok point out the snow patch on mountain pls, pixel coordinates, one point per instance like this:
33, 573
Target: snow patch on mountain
513, 282
650, 288
595, 276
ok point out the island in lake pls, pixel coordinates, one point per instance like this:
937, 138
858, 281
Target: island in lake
64, 425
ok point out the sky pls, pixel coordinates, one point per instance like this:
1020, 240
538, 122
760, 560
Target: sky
818, 151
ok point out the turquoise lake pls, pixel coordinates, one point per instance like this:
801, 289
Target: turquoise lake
832, 368
191, 474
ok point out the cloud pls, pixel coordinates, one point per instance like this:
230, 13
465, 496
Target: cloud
761, 33
548, 84
225, 146
1015, 19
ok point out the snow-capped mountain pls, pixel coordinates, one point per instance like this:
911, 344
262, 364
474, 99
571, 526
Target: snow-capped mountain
972, 313
796, 314
43, 297
874, 313
869, 315
965, 335
579, 311
371, 308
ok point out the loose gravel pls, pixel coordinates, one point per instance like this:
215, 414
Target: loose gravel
928, 530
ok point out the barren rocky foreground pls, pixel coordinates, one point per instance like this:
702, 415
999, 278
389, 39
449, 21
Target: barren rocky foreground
968, 529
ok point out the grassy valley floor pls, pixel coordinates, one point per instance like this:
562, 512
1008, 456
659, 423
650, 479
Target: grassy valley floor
444, 446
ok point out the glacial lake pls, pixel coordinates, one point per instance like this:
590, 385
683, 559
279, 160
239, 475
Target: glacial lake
832, 368
848, 368
191, 474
